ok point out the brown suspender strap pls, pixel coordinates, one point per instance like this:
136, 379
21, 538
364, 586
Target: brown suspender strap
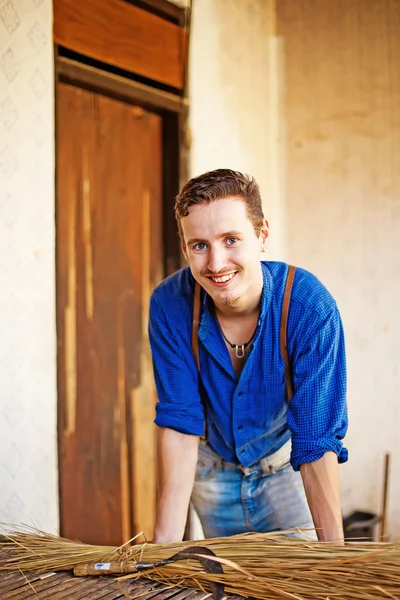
196, 322
283, 331
195, 347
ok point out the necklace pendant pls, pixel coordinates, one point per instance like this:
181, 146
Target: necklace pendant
239, 351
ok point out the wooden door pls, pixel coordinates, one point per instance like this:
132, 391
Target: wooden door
109, 257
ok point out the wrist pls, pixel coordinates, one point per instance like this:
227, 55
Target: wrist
165, 536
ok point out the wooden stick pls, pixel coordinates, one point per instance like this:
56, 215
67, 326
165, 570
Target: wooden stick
385, 498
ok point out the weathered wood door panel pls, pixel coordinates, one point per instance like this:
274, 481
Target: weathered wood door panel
108, 260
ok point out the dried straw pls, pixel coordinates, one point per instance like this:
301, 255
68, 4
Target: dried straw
265, 566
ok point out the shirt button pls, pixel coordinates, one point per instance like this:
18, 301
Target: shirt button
240, 393
242, 452
240, 426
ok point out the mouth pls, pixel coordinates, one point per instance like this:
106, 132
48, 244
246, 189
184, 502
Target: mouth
222, 280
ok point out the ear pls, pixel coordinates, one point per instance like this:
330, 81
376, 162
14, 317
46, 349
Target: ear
184, 251
263, 235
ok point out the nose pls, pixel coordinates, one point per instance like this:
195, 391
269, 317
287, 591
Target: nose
216, 260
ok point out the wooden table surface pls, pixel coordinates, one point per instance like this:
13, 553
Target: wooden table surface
65, 586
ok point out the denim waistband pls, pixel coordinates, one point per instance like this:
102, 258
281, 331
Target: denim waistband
267, 465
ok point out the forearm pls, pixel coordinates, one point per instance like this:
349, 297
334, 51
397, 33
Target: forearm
321, 484
177, 457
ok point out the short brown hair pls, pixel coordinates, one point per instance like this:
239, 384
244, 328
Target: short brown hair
216, 185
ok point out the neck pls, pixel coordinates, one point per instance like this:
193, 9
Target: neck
247, 305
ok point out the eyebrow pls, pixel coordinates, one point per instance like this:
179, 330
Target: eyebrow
233, 233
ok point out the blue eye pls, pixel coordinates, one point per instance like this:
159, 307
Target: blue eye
200, 246
231, 240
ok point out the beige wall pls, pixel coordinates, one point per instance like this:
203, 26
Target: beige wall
28, 459
341, 112
229, 92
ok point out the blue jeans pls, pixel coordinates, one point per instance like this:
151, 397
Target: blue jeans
268, 496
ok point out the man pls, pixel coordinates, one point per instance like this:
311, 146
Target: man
244, 476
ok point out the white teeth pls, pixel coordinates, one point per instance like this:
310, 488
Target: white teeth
223, 278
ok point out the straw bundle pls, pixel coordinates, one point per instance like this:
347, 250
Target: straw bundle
265, 566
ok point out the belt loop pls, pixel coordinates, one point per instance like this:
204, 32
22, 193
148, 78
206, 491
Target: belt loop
268, 469
219, 463
244, 470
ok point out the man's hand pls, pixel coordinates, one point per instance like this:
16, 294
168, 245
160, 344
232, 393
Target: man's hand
321, 484
177, 458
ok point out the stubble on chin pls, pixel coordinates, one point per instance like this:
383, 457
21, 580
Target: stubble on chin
227, 300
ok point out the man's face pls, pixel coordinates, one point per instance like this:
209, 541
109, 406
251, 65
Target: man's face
223, 250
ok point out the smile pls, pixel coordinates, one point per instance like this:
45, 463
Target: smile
222, 278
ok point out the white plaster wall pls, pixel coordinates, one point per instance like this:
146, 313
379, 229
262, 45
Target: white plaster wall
342, 215
28, 450
229, 92
229, 86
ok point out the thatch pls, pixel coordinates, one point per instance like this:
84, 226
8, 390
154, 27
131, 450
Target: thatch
265, 566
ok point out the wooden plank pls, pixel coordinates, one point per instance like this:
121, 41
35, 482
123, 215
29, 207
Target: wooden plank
118, 590
63, 586
91, 494
104, 589
175, 163
109, 192
72, 589
124, 36
118, 248
119, 87
143, 396
42, 588
12, 580
140, 587
67, 184
180, 594
163, 8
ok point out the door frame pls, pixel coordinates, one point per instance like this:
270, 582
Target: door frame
172, 109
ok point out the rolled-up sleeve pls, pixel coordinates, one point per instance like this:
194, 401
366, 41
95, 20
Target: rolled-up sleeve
317, 413
179, 404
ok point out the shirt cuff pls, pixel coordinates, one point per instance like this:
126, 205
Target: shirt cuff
180, 422
312, 450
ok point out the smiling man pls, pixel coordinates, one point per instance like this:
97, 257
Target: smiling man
229, 438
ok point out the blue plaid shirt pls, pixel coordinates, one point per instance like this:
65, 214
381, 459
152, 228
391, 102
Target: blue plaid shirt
249, 418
